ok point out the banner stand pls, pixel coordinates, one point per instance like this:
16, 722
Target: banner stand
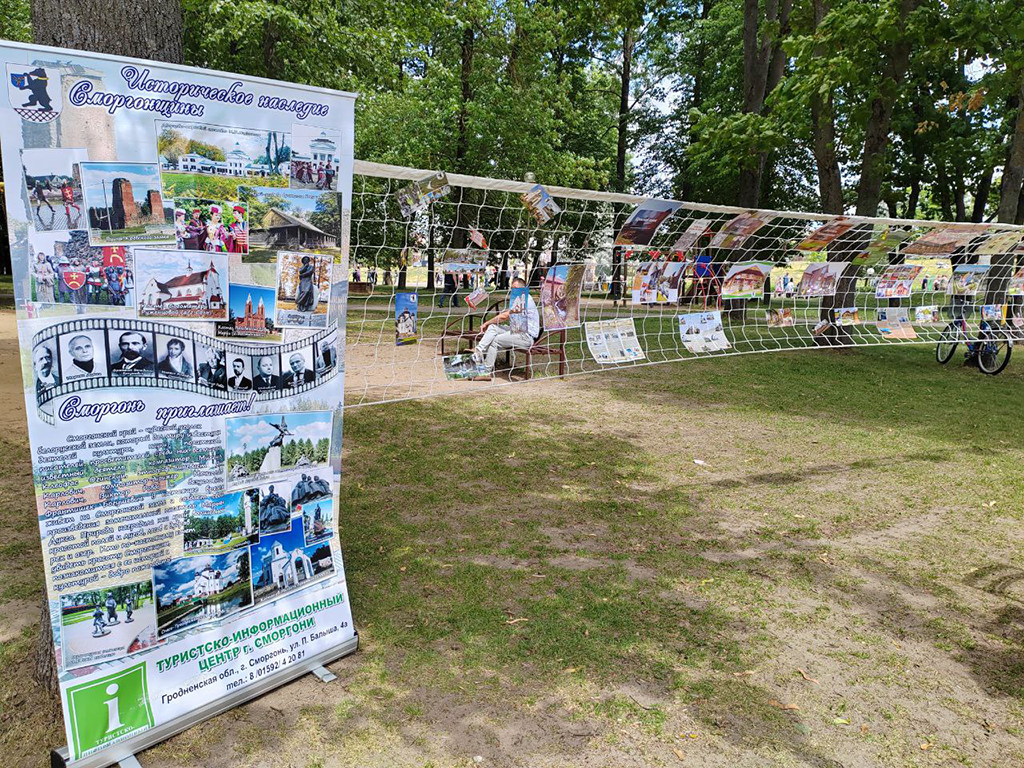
123, 752
179, 241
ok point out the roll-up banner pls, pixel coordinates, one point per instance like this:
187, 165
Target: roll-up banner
179, 239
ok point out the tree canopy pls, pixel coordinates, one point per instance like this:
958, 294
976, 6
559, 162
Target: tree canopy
898, 107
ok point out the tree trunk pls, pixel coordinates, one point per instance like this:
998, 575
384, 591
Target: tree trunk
697, 99
830, 182
943, 193
755, 80
958, 197
876, 133
1013, 170
154, 32
622, 144
763, 67
1011, 206
914, 198
458, 239
431, 277
981, 195
823, 127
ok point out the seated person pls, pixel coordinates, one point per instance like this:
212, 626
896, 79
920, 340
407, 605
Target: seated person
523, 327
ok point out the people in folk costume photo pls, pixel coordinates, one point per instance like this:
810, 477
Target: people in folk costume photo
216, 232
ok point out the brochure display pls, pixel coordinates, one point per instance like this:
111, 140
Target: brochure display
179, 240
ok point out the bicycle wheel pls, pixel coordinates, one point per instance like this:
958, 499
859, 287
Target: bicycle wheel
947, 345
994, 352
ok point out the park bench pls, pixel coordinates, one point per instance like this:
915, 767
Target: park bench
362, 288
548, 343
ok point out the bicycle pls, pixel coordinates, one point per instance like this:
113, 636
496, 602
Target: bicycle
994, 347
991, 352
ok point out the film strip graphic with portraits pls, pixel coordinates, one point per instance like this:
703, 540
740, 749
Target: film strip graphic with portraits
87, 354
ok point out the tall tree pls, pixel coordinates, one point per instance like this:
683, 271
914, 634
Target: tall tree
823, 127
154, 28
895, 49
763, 67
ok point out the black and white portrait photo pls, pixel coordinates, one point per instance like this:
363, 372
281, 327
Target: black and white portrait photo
298, 368
44, 366
131, 353
212, 369
83, 355
239, 373
174, 358
266, 375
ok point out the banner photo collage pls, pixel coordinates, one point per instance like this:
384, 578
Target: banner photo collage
179, 241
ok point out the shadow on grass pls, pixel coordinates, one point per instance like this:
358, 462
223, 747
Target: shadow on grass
828, 469
495, 554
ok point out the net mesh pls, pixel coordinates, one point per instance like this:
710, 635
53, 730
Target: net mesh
876, 282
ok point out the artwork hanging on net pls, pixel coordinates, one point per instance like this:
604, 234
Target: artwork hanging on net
897, 281
967, 279
884, 241
644, 221
738, 230
894, 323
613, 341
780, 318
1017, 283
825, 234
418, 195
745, 280
999, 243
944, 241
821, 279
541, 205
463, 367
405, 318
560, 296
703, 332
846, 316
691, 236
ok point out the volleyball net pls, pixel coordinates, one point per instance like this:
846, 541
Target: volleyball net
621, 280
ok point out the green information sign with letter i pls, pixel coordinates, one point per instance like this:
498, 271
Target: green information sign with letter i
108, 709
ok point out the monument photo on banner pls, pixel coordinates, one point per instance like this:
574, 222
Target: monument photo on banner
130, 187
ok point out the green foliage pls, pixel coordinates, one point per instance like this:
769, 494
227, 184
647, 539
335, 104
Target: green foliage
15, 21
534, 86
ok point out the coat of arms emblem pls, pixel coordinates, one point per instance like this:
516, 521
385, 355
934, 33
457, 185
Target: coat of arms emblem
34, 92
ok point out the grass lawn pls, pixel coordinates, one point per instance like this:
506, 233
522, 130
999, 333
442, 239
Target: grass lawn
544, 576
178, 184
140, 234
236, 540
